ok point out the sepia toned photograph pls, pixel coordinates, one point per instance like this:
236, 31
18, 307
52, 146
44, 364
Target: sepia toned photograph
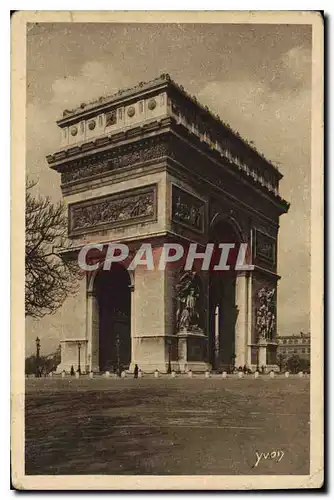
167, 330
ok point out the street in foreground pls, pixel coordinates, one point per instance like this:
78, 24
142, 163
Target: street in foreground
167, 426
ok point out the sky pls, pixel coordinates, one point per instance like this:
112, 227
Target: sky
256, 77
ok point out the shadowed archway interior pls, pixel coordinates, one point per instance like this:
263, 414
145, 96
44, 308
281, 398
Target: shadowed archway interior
223, 309
114, 299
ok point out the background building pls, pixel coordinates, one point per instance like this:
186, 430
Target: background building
295, 345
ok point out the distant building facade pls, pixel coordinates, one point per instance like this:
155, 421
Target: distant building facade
295, 345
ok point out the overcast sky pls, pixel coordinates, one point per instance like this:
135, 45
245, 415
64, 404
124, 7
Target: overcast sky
256, 77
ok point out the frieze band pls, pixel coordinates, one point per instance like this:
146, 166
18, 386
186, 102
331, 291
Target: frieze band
128, 207
122, 157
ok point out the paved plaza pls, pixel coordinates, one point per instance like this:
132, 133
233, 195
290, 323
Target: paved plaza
167, 426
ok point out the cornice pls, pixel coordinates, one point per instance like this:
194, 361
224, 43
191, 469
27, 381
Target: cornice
113, 177
232, 169
267, 272
162, 82
104, 103
122, 141
92, 149
135, 242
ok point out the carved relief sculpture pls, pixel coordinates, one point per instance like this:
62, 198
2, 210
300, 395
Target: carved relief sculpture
188, 293
187, 209
266, 314
111, 118
121, 157
113, 209
265, 247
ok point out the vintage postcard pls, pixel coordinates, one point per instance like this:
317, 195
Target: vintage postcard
167, 250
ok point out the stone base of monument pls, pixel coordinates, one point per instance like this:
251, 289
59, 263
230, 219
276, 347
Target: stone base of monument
267, 368
67, 368
267, 353
154, 352
151, 366
192, 347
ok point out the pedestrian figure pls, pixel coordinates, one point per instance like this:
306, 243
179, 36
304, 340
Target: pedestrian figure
136, 370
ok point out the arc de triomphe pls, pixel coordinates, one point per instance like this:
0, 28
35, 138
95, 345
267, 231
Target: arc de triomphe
151, 164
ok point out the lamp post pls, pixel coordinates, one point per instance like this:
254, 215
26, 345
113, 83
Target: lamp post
233, 357
117, 355
216, 337
79, 349
38, 348
169, 343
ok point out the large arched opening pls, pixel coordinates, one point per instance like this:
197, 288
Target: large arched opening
113, 293
223, 310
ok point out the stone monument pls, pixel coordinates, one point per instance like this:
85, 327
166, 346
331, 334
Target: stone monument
151, 164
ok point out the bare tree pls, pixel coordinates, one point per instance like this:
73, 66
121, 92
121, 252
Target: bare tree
49, 278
